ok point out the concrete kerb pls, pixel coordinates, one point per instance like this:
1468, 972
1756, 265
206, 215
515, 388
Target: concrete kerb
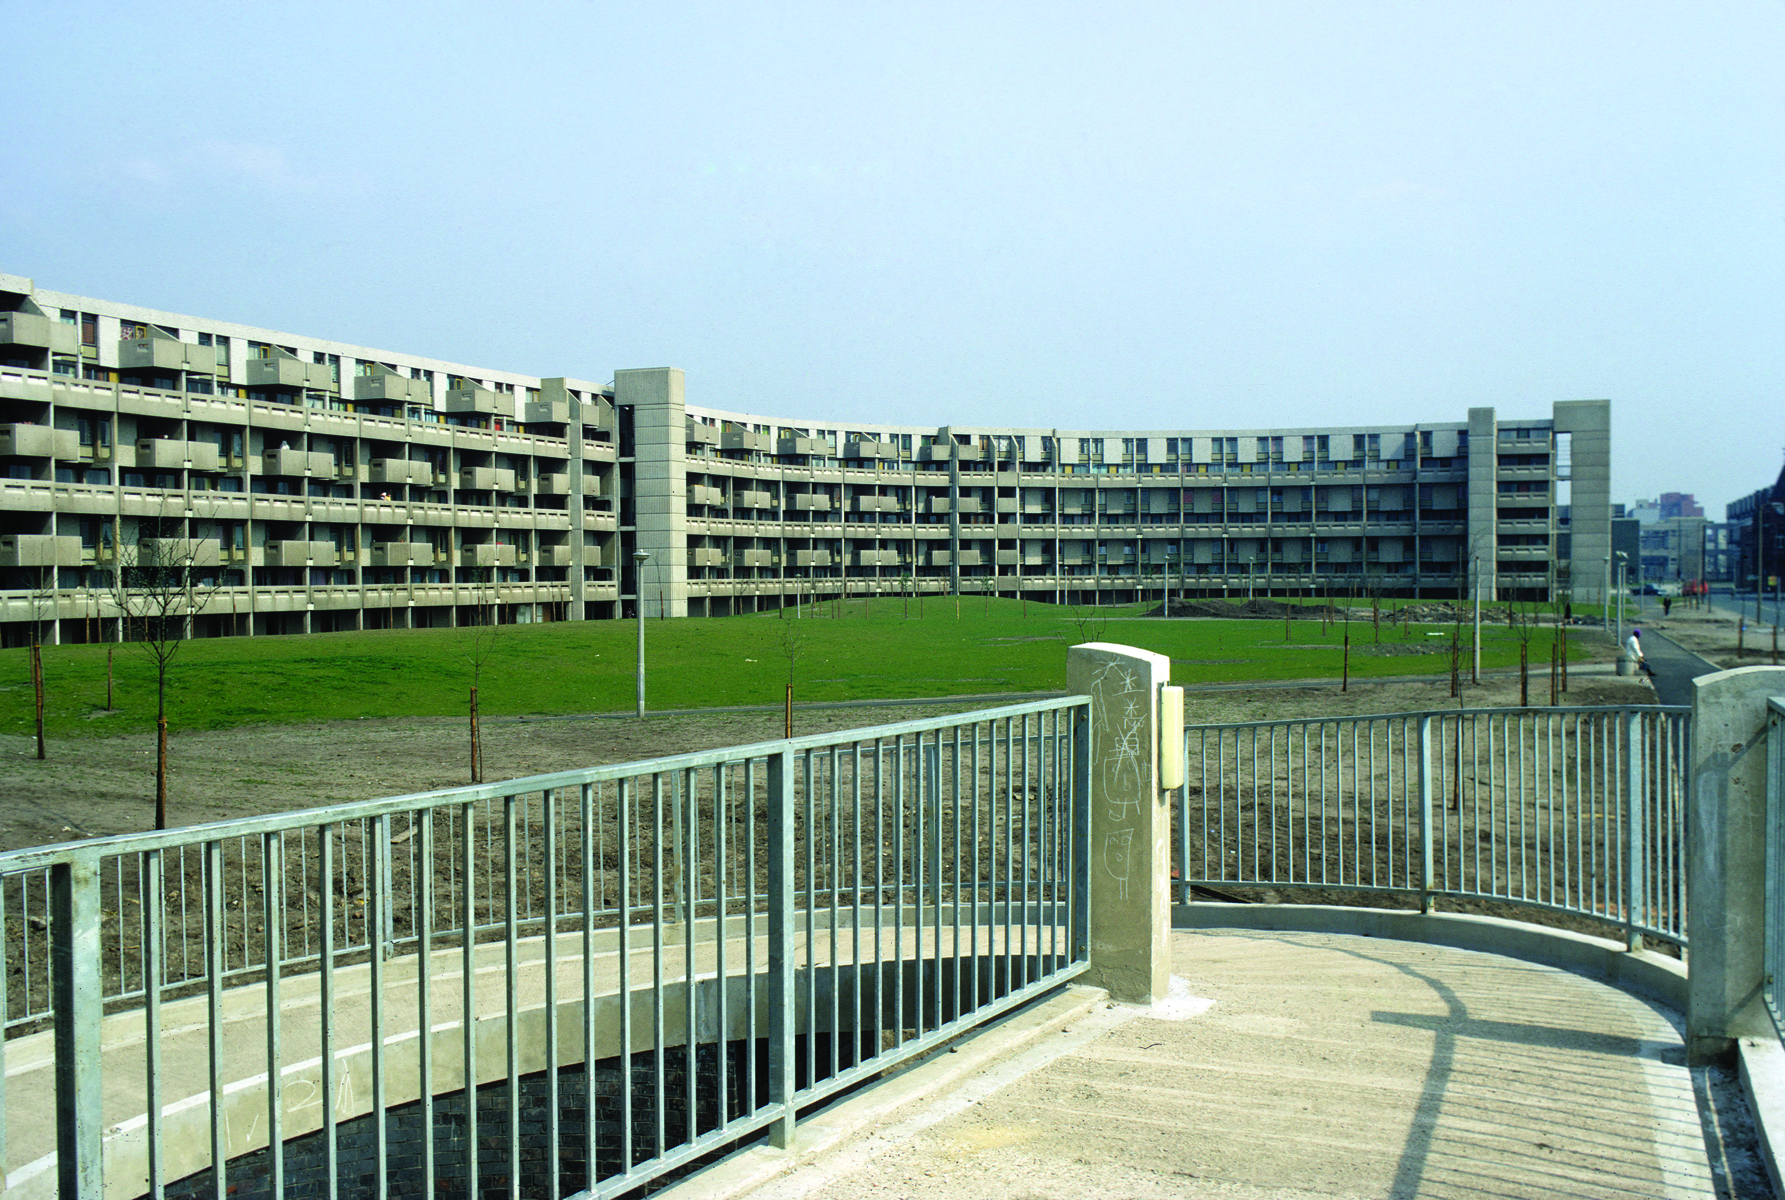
1762, 1064
1642, 973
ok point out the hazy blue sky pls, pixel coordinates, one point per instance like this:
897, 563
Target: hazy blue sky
1112, 215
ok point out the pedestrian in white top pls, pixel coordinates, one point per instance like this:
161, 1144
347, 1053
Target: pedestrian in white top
1634, 656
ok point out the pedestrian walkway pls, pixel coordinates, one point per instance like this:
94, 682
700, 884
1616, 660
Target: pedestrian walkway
1675, 668
1298, 1065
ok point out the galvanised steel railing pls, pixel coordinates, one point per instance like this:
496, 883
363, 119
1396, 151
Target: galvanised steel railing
1773, 954
1576, 810
738, 932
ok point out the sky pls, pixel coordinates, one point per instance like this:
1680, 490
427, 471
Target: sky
1251, 213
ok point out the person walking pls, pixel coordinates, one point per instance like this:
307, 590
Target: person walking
1633, 655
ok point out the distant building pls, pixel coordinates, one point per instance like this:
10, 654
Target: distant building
1626, 542
1722, 541
1672, 550
1759, 518
1679, 504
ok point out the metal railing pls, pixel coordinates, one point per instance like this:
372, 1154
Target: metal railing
729, 935
1575, 810
1773, 953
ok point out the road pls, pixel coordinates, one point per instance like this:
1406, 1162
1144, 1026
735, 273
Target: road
1772, 610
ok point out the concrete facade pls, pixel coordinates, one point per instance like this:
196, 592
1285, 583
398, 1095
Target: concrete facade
335, 486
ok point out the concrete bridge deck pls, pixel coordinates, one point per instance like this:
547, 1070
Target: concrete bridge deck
1294, 1065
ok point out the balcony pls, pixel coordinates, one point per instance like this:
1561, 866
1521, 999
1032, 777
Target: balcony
285, 372
386, 387
1009, 558
743, 439
487, 554
753, 498
555, 556
37, 331
875, 558
552, 484
39, 550
402, 554
711, 497
158, 352
811, 558
755, 558
469, 398
294, 553
701, 434
870, 449
39, 441
800, 445
172, 454
706, 556
179, 552
968, 504
546, 412
486, 479
401, 470
297, 463
810, 502
876, 504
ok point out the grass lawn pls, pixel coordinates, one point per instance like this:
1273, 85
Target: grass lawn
833, 652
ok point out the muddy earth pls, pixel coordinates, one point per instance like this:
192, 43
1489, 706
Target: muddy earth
96, 786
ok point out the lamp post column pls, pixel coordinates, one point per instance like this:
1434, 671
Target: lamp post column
639, 558
1623, 568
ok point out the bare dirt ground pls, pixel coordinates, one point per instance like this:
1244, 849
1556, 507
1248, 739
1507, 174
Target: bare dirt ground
96, 786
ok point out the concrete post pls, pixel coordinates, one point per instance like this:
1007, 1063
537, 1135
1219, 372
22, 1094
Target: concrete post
1726, 860
1130, 867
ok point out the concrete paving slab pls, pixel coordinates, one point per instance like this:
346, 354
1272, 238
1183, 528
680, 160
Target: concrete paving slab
1327, 1066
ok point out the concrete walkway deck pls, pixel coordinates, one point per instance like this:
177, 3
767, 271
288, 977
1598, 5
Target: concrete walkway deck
1308, 1065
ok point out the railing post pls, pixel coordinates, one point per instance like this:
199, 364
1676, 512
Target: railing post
1726, 861
1630, 801
75, 996
1772, 960
782, 992
1079, 877
1130, 849
1427, 869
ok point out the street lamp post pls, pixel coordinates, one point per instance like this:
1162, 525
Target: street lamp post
1476, 673
1605, 617
1623, 568
1251, 570
639, 558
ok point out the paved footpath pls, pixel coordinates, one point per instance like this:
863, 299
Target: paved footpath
1314, 1065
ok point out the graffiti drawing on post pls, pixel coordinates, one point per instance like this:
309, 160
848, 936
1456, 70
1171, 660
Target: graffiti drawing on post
1122, 714
1116, 860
